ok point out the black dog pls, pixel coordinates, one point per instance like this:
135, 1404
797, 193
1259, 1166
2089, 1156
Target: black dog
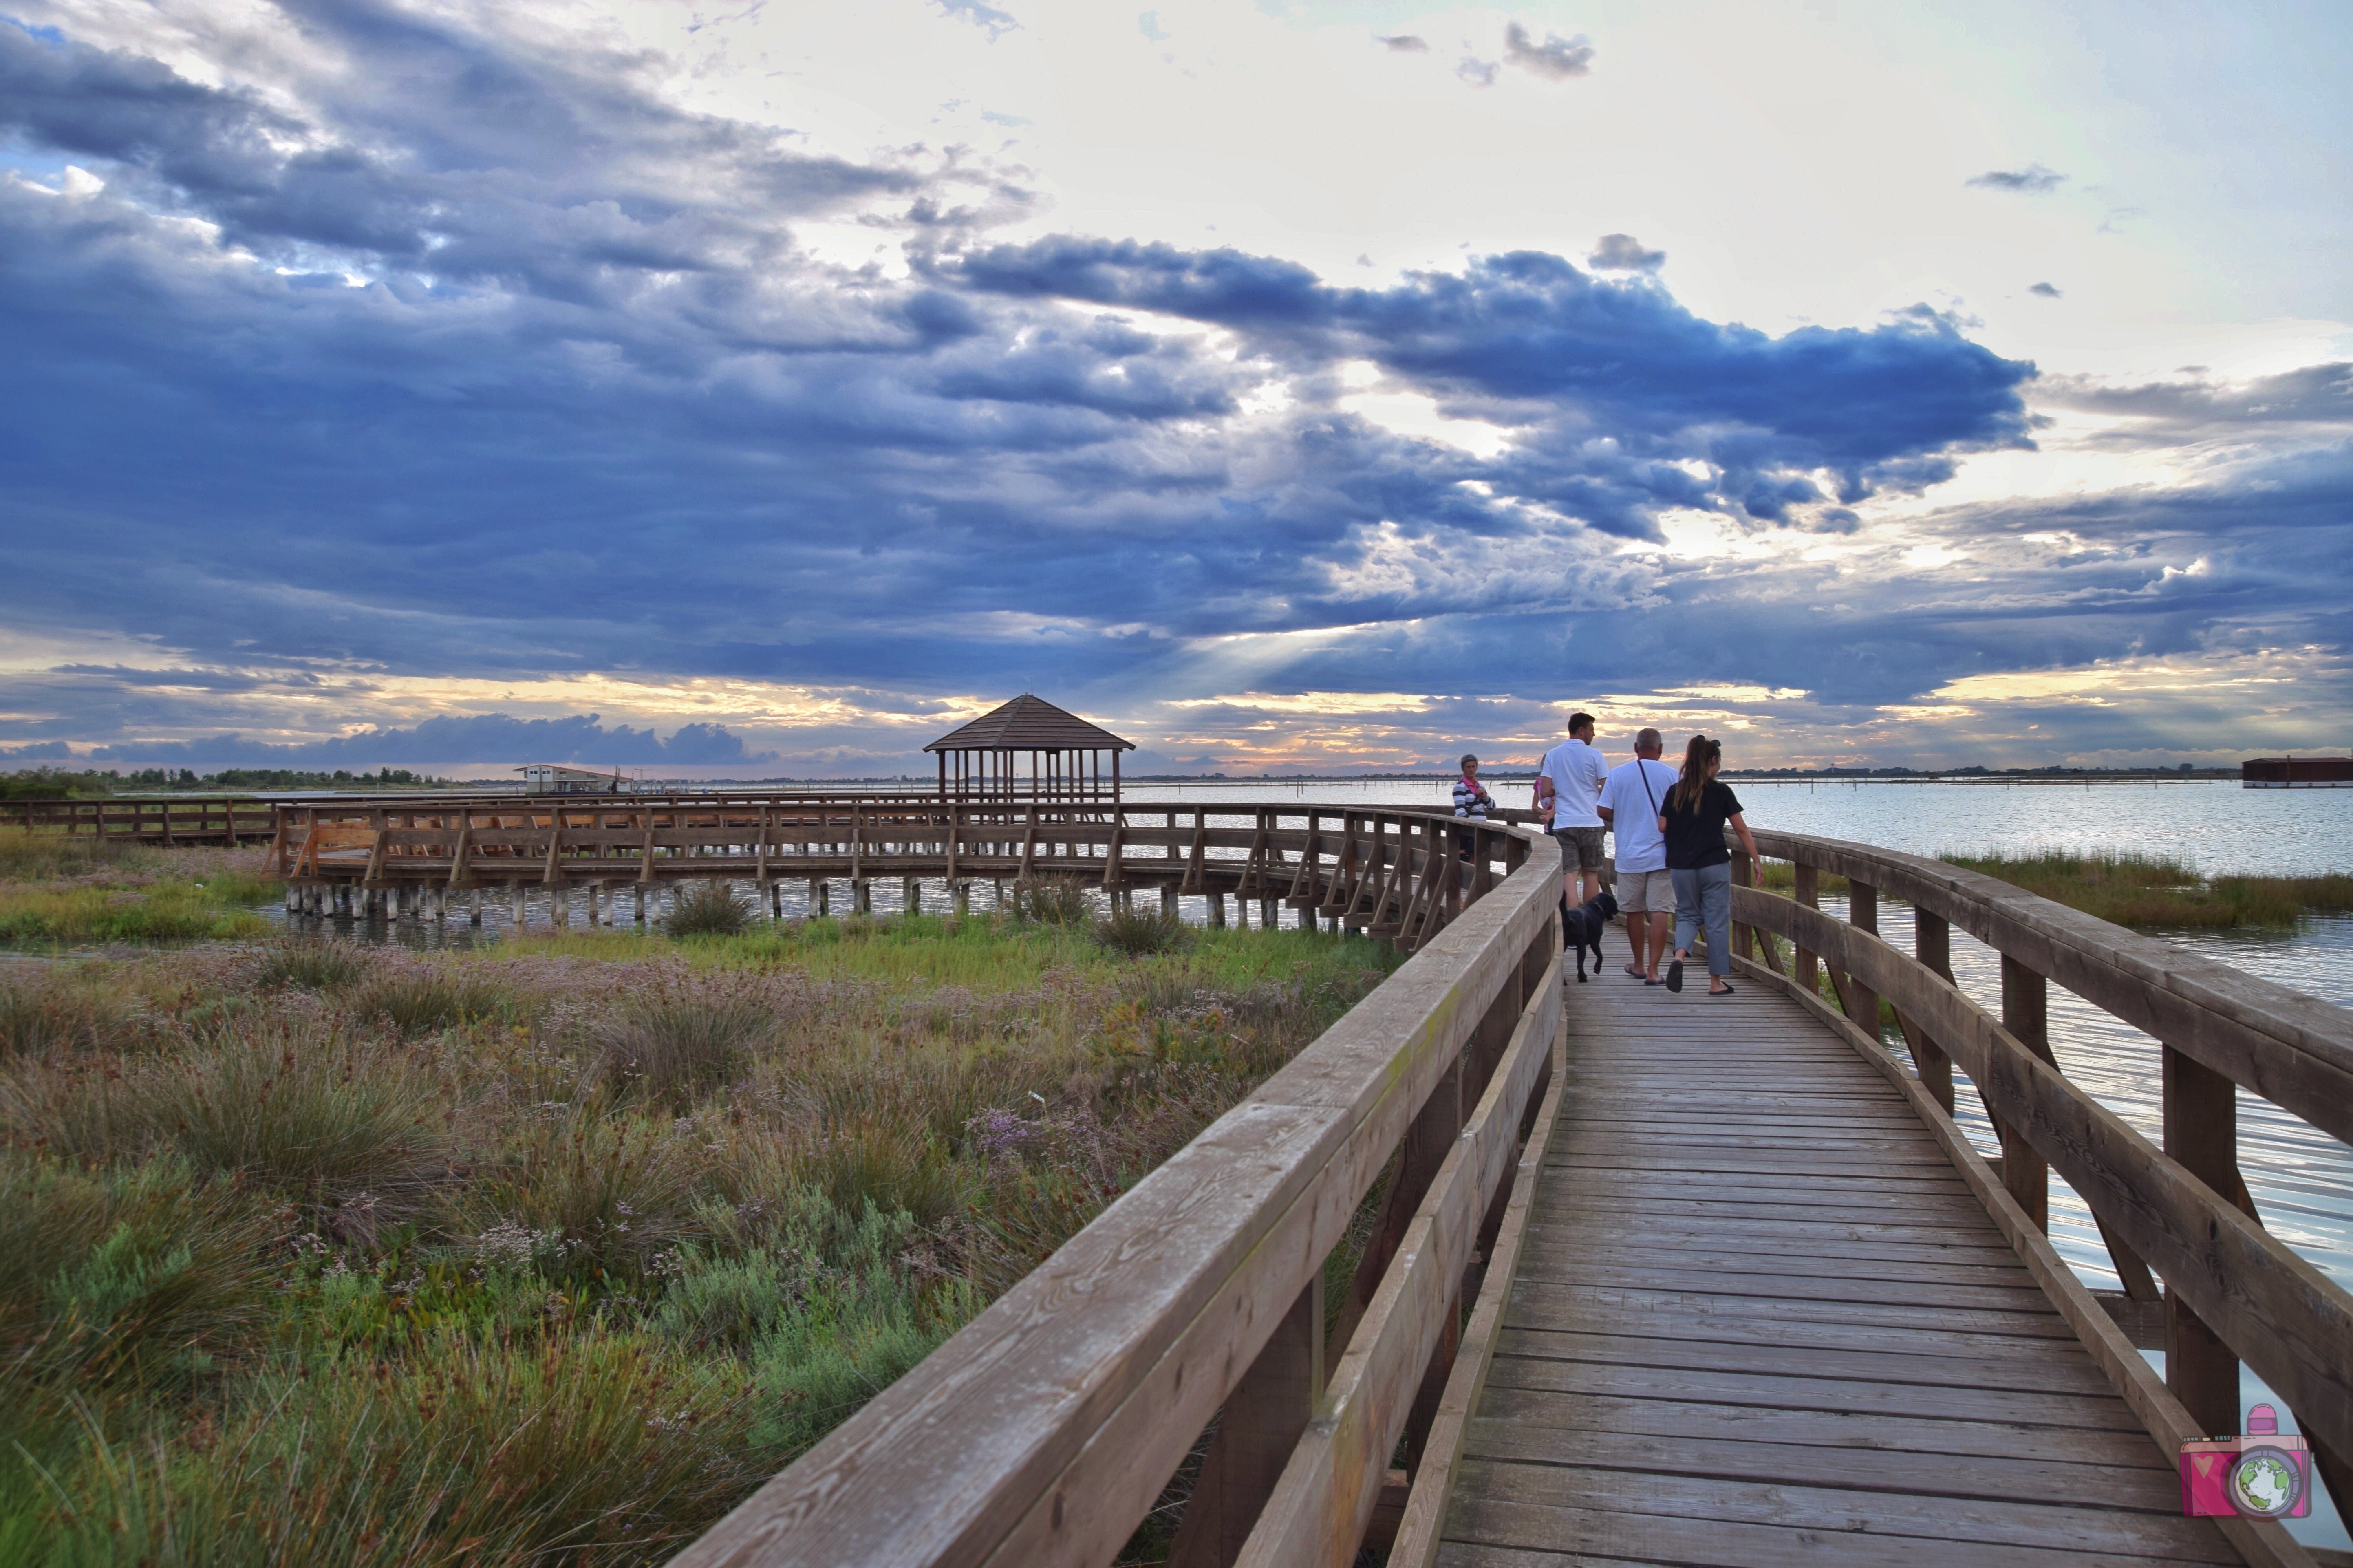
1583, 926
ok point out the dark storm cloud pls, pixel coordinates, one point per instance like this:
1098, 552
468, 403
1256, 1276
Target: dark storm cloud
496, 364
1557, 58
2048, 291
2033, 178
1624, 253
1539, 343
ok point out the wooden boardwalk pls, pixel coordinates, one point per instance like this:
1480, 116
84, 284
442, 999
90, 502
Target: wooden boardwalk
1757, 1319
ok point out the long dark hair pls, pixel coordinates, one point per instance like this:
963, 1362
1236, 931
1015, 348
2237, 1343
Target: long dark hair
1702, 750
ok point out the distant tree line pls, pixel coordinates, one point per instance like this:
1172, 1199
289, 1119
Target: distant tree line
61, 783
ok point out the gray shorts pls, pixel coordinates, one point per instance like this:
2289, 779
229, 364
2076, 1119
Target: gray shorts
1580, 848
1646, 892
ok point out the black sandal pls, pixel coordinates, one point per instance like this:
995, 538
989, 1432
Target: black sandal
1675, 976
1725, 991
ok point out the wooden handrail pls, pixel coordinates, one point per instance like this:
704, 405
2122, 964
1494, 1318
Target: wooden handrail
2232, 1291
1045, 1430
2294, 1050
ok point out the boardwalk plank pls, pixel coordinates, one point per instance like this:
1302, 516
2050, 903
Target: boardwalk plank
1616, 1249
1701, 1499
1666, 1417
2143, 1488
1580, 1304
1850, 1362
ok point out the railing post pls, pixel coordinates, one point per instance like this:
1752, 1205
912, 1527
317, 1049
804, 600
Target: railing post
1932, 944
2201, 1131
1805, 967
2026, 1014
1259, 1425
1743, 875
1862, 913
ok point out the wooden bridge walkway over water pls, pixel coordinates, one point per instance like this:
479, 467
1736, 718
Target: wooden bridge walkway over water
1643, 1278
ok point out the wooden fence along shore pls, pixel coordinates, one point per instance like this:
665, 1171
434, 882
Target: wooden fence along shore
1652, 1278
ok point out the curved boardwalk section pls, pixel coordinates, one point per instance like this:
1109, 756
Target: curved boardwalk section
1758, 1318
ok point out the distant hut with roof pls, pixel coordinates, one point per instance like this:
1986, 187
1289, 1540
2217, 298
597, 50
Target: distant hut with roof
1030, 749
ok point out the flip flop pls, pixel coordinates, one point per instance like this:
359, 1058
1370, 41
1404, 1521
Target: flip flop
1675, 976
1725, 991
1649, 981
1629, 969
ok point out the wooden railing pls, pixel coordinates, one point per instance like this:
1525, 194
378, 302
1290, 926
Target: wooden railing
1397, 873
2186, 1242
1046, 1430
147, 819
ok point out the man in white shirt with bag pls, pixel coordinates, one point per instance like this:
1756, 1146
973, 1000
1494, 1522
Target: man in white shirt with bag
1631, 798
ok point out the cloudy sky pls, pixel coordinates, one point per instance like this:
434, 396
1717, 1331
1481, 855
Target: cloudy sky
759, 389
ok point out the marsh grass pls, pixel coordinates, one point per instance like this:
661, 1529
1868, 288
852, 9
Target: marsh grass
162, 912
1781, 877
2130, 889
603, 1446
61, 891
143, 1273
291, 1105
1059, 901
314, 963
42, 1015
422, 1001
708, 908
27, 855
675, 1048
1136, 933
321, 1264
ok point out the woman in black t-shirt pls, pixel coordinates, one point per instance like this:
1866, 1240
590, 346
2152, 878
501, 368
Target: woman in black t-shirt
1693, 820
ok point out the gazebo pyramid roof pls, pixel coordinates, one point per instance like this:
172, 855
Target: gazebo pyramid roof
1030, 723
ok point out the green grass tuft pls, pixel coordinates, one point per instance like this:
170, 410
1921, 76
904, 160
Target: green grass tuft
1138, 932
316, 963
1059, 901
292, 1106
144, 1274
443, 996
677, 1048
710, 909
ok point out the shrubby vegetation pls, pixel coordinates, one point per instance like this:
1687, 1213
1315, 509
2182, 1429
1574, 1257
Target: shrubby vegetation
65, 784
556, 1250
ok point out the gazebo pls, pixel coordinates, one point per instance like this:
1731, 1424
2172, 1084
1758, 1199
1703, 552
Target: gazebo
981, 761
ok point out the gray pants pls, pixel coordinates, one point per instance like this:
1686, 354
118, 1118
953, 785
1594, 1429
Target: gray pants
1705, 897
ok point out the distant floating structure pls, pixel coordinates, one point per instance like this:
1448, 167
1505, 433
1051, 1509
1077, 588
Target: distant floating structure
2296, 773
1065, 756
562, 778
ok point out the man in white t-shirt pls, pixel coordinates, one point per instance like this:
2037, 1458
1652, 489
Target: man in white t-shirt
1632, 799
1568, 791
